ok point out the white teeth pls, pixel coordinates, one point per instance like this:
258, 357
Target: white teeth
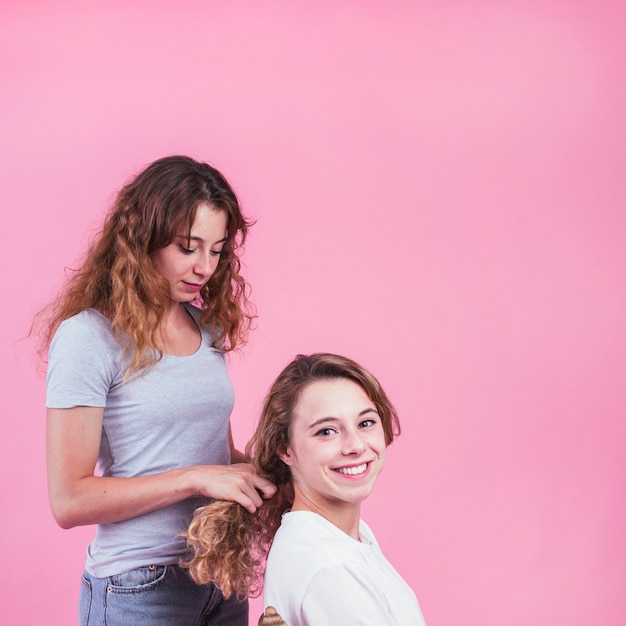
359, 469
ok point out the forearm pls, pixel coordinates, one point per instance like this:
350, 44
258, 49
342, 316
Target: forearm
104, 500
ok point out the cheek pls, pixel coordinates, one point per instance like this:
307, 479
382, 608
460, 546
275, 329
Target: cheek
304, 460
382, 452
163, 263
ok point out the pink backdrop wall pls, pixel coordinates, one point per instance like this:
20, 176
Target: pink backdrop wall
440, 194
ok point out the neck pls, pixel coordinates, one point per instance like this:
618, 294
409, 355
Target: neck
175, 314
179, 334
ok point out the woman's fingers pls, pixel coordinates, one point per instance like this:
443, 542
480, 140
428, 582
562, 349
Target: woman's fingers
271, 618
267, 488
237, 483
254, 490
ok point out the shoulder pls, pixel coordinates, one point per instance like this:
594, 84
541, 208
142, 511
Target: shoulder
304, 536
309, 562
83, 361
88, 320
305, 524
86, 332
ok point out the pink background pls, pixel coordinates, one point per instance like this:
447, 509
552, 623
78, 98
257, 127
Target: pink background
440, 194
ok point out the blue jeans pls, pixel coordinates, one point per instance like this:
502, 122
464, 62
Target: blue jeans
158, 595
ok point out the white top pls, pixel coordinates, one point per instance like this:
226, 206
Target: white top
317, 575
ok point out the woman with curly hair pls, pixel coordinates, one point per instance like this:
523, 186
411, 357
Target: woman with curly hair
321, 439
138, 395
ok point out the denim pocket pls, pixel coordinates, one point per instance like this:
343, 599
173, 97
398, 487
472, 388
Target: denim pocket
84, 601
137, 580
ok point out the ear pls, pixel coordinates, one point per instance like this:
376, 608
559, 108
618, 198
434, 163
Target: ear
285, 454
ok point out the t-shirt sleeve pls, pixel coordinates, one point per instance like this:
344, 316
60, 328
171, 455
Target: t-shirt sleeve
344, 594
80, 369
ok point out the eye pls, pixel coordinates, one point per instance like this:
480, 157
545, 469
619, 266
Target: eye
368, 423
216, 252
185, 250
325, 432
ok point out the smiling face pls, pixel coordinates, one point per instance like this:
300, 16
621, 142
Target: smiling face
336, 448
187, 263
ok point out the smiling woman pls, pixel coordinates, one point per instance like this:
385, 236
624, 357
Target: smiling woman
336, 451
322, 439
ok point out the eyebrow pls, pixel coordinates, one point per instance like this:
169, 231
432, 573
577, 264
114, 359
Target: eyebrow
193, 238
332, 420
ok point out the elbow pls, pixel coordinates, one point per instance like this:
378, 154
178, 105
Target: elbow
63, 513
62, 519
64, 523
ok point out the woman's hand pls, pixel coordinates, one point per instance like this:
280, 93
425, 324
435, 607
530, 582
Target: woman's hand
271, 618
236, 483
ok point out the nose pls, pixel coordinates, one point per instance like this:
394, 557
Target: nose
352, 443
206, 265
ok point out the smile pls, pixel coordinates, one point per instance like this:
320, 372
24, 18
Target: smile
352, 471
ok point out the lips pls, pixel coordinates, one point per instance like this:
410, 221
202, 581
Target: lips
192, 286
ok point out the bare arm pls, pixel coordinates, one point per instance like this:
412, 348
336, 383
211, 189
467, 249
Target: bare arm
235, 455
78, 497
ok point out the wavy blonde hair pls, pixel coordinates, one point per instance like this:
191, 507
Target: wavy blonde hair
229, 544
117, 276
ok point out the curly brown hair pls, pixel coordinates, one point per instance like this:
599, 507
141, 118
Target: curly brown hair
228, 543
117, 276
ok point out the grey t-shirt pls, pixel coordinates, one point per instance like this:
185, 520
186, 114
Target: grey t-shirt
174, 414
